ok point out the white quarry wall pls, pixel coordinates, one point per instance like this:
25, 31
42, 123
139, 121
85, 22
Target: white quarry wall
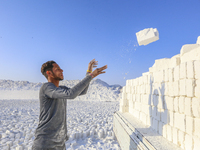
167, 98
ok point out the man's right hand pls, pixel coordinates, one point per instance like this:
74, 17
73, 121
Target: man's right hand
99, 71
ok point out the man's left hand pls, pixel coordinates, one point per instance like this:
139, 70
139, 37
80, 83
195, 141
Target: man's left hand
92, 64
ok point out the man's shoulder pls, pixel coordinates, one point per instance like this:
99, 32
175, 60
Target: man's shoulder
47, 84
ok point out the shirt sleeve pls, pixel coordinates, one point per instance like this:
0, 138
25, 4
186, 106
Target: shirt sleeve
67, 93
86, 89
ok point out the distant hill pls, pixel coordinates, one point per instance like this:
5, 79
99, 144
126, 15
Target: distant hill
98, 90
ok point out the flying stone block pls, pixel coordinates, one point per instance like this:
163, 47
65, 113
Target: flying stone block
147, 36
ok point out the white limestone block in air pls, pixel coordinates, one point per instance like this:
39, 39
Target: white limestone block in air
198, 40
179, 121
197, 127
196, 107
188, 142
189, 125
147, 36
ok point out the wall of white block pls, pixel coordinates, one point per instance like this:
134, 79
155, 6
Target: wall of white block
167, 98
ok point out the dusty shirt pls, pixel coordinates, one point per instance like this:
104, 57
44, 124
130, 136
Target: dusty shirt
52, 130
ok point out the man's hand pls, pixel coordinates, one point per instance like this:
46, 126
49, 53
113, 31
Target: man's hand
99, 71
92, 64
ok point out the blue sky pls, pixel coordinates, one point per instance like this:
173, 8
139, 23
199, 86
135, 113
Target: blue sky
73, 32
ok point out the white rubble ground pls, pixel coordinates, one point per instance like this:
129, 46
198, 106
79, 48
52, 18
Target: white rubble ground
147, 36
98, 90
90, 124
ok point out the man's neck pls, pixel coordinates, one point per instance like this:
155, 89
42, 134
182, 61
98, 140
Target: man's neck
55, 82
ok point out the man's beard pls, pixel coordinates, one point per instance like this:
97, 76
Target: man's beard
57, 78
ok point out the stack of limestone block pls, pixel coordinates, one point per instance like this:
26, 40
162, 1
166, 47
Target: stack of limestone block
167, 98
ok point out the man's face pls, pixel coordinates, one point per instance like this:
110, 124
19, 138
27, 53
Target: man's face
57, 72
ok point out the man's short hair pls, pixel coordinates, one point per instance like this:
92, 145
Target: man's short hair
47, 67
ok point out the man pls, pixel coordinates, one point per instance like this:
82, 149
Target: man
51, 132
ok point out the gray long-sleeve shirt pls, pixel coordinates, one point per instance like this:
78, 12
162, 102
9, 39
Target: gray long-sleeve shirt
52, 130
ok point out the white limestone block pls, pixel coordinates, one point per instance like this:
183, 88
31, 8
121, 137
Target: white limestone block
147, 36
197, 89
183, 70
181, 104
171, 118
169, 103
160, 127
187, 48
179, 121
171, 74
161, 102
164, 116
189, 125
198, 40
190, 69
169, 133
128, 89
194, 54
176, 88
176, 104
171, 89
196, 143
190, 85
188, 142
188, 106
197, 69
154, 111
182, 87
164, 131
175, 136
138, 106
160, 64
147, 109
177, 73
197, 127
181, 139
196, 107
166, 75
174, 61
155, 125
